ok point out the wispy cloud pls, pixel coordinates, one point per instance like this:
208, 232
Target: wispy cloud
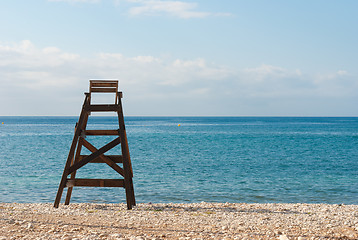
174, 8
76, 1
177, 9
33, 80
171, 8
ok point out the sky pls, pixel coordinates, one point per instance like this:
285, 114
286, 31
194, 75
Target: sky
181, 58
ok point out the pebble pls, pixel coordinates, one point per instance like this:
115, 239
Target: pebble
115, 235
283, 237
178, 221
29, 226
11, 221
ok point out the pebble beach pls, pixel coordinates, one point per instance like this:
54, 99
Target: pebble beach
178, 221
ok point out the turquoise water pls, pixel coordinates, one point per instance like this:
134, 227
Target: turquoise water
214, 159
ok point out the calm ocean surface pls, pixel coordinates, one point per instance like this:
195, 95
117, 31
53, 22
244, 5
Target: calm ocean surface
213, 159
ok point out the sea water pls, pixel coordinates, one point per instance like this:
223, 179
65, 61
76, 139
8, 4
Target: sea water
212, 159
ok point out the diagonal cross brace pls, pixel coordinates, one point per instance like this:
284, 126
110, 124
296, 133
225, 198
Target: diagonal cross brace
107, 160
94, 155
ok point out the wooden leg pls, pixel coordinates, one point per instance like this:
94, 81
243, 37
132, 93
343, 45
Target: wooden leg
73, 175
80, 125
132, 192
128, 182
65, 172
60, 190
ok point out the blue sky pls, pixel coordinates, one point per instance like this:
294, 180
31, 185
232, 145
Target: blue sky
181, 58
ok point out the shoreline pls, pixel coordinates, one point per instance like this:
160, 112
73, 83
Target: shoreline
178, 221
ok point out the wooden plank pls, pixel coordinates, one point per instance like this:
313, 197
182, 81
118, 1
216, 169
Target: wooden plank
103, 80
104, 90
102, 108
102, 132
94, 155
112, 84
82, 182
103, 86
114, 158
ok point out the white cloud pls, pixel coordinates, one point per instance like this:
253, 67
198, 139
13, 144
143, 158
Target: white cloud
342, 72
172, 8
279, 82
117, 56
49, 50
178, 9
76, 1
27, 67
146, 59
33, 80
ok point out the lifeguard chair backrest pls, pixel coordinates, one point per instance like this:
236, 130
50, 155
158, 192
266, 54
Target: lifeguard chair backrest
104, 86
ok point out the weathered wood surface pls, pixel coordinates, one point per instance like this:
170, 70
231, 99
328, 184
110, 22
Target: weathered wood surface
108, 82
102, 108
104, 84
104, 158
94, 155
104, 90
102, 132
81, 182
114, 158
73, 175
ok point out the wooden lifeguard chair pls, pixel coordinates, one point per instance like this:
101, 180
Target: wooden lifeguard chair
76, 160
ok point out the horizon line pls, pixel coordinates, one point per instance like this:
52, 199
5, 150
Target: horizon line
296, 116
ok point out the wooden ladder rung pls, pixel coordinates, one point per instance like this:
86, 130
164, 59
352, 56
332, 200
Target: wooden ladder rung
103, 108
99, 83
104, 90
102, 132
114, 158
83, 182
